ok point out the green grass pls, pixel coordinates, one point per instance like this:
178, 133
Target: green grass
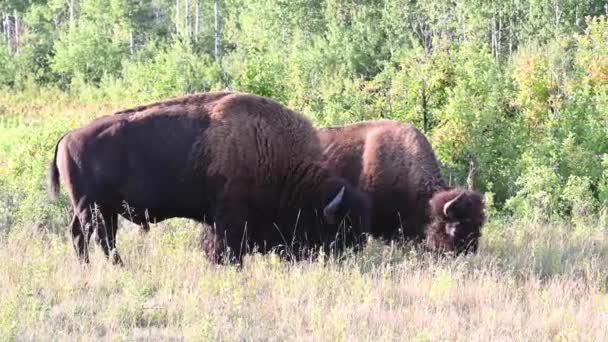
529, 282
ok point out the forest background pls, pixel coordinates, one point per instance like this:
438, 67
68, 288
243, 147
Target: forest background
512, 94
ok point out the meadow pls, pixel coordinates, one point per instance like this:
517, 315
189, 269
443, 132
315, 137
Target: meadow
534, 278
530, 281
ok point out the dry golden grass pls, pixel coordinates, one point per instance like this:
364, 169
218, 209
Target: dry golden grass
530, 282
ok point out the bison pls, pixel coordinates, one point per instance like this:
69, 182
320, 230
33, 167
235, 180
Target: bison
395, 165
242, 163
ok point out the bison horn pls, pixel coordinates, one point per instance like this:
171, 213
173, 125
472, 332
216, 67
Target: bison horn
333, 206
447, 206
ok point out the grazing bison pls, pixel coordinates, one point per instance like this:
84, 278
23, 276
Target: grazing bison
395, 165
244, 164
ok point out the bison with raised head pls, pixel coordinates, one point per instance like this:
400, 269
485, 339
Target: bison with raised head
246, 165
395, 165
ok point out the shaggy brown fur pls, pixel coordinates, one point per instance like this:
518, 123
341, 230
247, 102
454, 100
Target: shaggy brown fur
458, 231
241, 162
395, 165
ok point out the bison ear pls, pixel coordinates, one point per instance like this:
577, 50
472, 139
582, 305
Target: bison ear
330, 210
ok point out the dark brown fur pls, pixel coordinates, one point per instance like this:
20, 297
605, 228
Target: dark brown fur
243, 163
395, 165
465, 219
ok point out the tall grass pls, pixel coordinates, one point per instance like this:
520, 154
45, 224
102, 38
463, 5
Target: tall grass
529, 282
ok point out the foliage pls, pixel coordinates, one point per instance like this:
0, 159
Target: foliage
513, 95
170, 70
7, 67
90, 49
24, 197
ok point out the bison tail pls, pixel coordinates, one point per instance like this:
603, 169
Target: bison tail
53, 175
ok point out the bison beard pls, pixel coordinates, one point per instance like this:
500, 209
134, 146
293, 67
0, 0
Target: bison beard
244, 164
394, 164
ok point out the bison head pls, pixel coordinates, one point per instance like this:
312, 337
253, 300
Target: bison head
344, 205
457, 216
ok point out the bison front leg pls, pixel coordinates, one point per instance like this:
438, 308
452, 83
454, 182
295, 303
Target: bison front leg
227, 239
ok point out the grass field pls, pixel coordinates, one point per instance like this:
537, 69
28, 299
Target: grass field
530, 281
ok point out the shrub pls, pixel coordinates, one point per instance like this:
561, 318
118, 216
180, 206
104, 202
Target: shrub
175, 69
7, 67
27, 151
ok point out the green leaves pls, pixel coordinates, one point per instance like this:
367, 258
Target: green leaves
175, 69
87, 51
508, 92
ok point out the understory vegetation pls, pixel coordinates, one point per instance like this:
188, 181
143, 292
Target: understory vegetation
513, 96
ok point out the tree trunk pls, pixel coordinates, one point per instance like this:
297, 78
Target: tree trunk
7, 32
131, 43
4, 33
187, 17
511, 31
216, 15
177, 18
71, 5
493, 34
471, 175
16, 31
558, 17
197, 19
424, 105
499, 40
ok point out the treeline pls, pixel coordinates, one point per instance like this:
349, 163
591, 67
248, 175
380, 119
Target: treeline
513, 94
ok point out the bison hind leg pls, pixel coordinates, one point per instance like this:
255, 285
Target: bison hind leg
106, 234
81, 228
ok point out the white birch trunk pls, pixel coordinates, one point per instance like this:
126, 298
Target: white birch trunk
197, 19
510, 35
131, 43
493, 35
216, 15
177, 18
558, 16
16, 33
7, 25
499, 40
4, 33
187, 17
71, 9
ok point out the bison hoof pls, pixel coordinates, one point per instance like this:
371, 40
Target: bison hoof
116, 259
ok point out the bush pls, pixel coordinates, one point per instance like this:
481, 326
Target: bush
577, 198
538, 195
27, 151
7, 67
175, 69
262, 75
88, 51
